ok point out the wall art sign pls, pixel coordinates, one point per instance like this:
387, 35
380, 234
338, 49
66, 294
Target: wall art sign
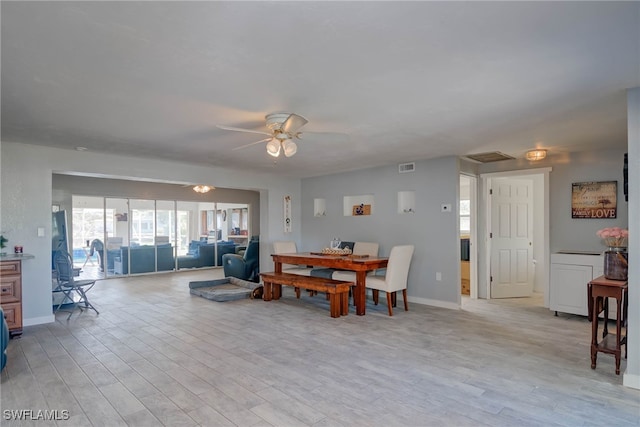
594, 199
361, 209
287, 214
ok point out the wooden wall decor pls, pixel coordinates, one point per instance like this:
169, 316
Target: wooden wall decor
594, 199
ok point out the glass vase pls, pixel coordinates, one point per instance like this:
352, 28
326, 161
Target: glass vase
615, 263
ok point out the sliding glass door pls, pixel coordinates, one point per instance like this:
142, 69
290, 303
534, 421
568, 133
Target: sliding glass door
137, 236
117, 235
89, 226
166, 233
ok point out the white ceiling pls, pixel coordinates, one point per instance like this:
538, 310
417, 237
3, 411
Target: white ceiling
390, 81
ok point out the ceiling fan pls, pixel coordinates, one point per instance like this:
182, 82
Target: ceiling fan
284, 127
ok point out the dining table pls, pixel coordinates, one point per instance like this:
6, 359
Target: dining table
361, 265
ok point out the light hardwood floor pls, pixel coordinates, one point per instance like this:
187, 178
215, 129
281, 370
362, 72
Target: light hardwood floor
158, 356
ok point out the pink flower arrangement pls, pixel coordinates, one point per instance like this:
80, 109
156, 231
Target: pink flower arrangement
614, 236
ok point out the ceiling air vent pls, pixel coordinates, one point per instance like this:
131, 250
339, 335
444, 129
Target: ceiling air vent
493, 156
406, 167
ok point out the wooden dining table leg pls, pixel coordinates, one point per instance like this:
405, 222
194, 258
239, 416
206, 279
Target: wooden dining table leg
359, 292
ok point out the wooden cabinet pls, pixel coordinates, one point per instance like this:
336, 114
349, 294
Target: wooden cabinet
11, 294
465, 276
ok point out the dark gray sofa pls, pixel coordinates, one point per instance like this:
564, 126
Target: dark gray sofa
202, 254
143, 259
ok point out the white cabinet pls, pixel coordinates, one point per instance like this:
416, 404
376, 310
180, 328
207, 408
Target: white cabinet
570, 274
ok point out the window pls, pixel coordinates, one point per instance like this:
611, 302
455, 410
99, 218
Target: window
88, 224
465, 216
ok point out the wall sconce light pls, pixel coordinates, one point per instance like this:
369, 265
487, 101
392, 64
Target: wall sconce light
202, 188
534, 155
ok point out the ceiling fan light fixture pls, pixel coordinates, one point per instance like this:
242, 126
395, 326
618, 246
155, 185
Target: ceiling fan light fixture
273, 147
535, 155
290, 148
202, 188
284, 128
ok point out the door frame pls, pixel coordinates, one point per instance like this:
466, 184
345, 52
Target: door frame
473, 236
541, 232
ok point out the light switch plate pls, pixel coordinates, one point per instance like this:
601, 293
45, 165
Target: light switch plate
40, 231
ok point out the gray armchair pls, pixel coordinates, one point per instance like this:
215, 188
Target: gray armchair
245, 267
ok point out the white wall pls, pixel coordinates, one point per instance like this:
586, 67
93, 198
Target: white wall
434, 234
632, 373
26, 198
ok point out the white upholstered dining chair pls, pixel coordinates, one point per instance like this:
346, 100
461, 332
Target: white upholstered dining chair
289, 247
366, 248
359, 248
395, 278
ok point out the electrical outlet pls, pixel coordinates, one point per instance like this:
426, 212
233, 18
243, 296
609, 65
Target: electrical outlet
445, 207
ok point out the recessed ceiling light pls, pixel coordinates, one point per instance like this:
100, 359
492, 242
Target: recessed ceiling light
81, 148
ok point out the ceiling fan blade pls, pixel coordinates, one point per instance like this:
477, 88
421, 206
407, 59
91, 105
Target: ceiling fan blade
253, 143
293, 123
243, 130
324, 136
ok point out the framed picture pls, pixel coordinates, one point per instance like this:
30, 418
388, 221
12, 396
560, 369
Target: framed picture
594, 199
287, 214
361, 209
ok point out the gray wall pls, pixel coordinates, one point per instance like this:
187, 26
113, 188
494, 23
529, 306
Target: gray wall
26, 196
568, 233
434, 234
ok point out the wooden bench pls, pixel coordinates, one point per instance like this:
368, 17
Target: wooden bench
337, 290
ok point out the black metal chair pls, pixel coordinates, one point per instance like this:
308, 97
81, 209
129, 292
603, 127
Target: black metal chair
69, 286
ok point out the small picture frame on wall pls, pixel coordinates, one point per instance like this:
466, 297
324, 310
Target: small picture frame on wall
287, 214
595, 199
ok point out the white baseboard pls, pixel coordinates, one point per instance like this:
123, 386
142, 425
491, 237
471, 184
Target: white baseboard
631, 381
38, 320
435, 303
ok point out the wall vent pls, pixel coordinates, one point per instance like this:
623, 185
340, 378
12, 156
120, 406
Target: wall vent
493, 156
406, 167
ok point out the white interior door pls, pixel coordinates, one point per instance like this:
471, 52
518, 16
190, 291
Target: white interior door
511, 238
